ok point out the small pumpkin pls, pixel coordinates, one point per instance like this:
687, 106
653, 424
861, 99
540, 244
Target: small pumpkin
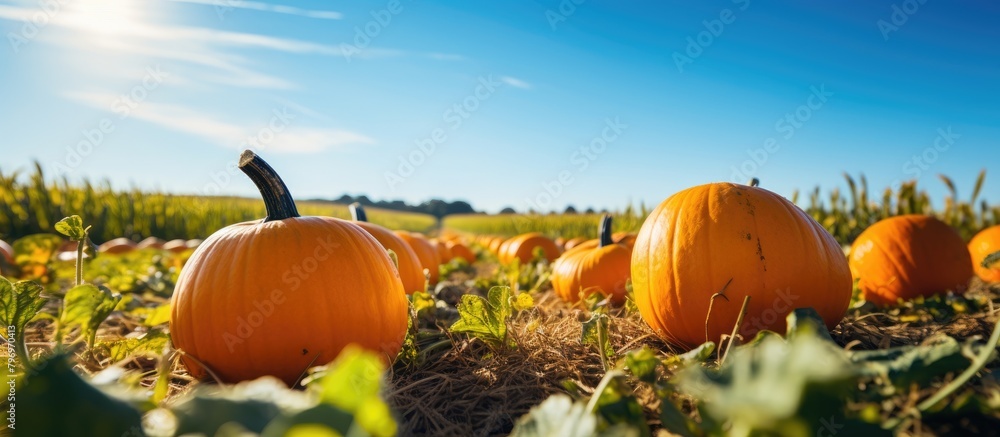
908, 256
459, 250
589, 244
444, 254
426, 253
626, 238
603, 269
495, 244
411, 272
117, 246
986, 243
522, 247
7, 252
735, 241
176, 246
275, 296
560, 242
150, 243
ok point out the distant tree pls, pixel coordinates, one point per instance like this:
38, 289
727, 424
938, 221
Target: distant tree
508, 210
590, 210
459, 207
570, 210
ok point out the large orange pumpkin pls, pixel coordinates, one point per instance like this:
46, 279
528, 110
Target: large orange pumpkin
522, 247
907, 256
986, 243
603, 269
760, 244
411, 271
275, 296
459, 250
426, 253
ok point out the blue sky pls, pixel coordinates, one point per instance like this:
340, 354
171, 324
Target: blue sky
528, 104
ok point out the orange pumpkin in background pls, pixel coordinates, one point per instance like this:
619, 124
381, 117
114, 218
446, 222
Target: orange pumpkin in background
603, 269
410, 269
426, 253
908, 256
7, 252
560, 242
589, 244
522, 247
276, 296
176, 246
459, 250
117, 246
626, 238
494, 246
573, 242
443, 253
739, 241
986, 243
150, 243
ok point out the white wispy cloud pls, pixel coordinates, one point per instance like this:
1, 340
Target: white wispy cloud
294, 137
515, 82
222, 6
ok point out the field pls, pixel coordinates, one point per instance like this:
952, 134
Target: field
490, 350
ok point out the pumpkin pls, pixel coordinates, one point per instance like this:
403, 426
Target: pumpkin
573, 242
626, 238
603, 269
985, 243
150, 243
522, 247
176, 246
738, 241
411, 272
589, 244
426, 253
907, 256
7, 252
444, 254
494, 246
459, 250
275, 296
560, 242
194, 243
117, 246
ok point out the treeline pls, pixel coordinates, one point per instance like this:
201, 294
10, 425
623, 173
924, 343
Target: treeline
435, 207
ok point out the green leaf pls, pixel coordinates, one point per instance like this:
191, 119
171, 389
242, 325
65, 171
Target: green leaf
906, 365
72, 227
149, 344
595, 333
154, 316
352, 383
56, 401
37, 249
87, 306
674, 420
312, 422
252, 405
485, 319
806, 320
694, 356
19, 303
617, 406
557, 416
642, 363
422, 301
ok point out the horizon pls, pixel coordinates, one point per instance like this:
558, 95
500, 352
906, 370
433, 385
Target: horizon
531, 105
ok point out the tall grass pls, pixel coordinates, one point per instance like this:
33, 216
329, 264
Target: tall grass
29, 204
844, 216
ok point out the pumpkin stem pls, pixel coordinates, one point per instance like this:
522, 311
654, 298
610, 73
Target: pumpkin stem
277, 199
754, 182
605, 231
358, 213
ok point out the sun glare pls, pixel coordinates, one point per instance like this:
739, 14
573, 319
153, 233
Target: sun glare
107, 18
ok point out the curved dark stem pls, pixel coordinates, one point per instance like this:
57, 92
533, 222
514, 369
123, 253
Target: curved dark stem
277, 199
358, 213
754, 182
605, 231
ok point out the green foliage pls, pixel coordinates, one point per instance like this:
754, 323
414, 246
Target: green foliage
485, 319
19, 303
906, 365
72, 227
612, 411
86, 306
53, 400
595, 333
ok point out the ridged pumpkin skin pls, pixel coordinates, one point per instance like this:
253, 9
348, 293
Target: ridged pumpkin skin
522, 247
699, 239
986, 242
603, 269
426, 253
274, 297
411, 271
907, 256
459, 250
